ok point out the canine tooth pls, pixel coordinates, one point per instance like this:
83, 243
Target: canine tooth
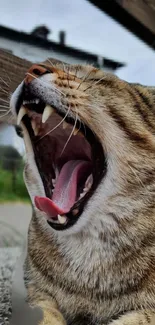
36, 131
62, 219
64, 125
53, 181
82, 195
56, 173
21, 113
75, 131
34, 127
33, 123
48, 110
89, 181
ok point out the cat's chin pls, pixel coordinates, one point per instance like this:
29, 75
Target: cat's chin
69, 158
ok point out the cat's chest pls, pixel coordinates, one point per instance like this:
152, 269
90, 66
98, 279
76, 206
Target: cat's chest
83, 277
81, 284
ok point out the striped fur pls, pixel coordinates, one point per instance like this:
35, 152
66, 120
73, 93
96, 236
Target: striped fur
102, 270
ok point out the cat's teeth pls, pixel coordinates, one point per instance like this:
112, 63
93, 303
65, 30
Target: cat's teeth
55, 221
53, 181
31, 101
89, 181
34, 127
33, 124
64, 125
87, 187
56, 173
62, 219
48, 110
21, 113
76, 131
82, 195
36, 131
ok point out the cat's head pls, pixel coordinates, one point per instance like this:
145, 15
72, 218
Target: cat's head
90, 146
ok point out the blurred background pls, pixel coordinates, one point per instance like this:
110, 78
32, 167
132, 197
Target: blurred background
116, 36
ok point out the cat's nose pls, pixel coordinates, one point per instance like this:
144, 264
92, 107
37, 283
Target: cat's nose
34, 72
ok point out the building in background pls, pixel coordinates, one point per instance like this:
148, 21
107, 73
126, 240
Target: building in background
36, 47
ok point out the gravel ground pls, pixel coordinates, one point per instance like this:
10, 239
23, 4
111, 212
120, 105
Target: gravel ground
14, 222
8, 257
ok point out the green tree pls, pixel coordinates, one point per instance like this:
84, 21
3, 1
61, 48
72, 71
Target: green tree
10, 160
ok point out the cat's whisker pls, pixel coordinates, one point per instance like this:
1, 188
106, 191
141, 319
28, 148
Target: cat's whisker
94, 83
63, 66
46, 83
90, 86
81, 123
9, 78
4, 81
5, 113
3, 100
84, 79
3, 106
135, 174
76, 71
68, 76
6, 92
51, 63
74, 126
84, 128
55, 126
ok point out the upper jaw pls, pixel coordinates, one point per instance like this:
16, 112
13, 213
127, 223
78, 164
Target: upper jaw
21, 105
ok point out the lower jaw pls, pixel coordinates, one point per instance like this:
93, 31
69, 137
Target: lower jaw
72, 216
99, 169
75, 213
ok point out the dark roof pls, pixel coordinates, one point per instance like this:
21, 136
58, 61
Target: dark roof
47, 44
137, 16
41, 31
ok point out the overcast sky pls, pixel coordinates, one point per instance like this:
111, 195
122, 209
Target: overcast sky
86, 26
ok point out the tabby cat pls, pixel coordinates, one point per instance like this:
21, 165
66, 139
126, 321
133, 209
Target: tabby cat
90, 173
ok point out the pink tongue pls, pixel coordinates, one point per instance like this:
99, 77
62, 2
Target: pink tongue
65, 192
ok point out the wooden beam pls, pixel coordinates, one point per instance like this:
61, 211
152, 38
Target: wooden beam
117, 9
12, 72
142, 10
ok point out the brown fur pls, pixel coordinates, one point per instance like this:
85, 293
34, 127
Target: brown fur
104, 272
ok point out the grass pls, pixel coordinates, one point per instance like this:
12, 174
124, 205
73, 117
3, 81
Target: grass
12, 191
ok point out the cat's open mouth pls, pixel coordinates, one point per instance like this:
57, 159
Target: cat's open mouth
70, 160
